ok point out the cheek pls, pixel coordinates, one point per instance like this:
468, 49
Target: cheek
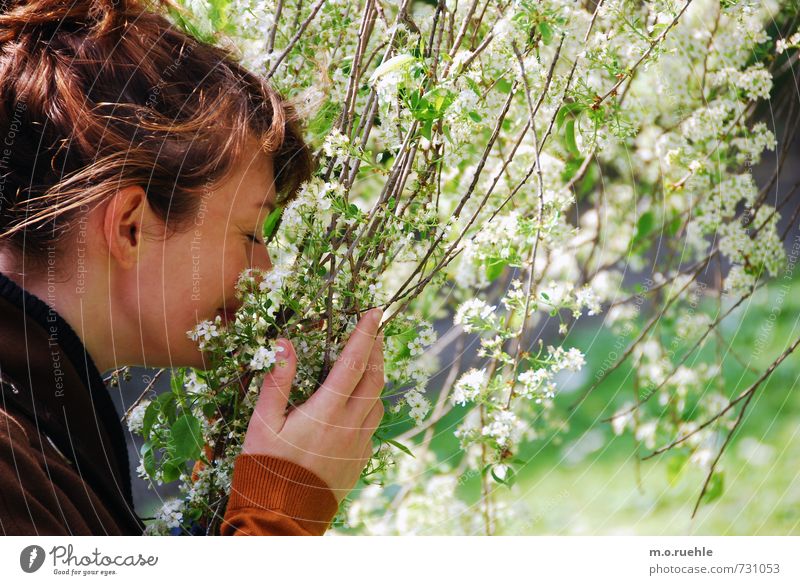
200, 270
187, 280
234, 262
215, 268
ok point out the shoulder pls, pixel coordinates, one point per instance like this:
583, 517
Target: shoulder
13, 425
10, 424
28, 501
19, 429
23, 444
16, 433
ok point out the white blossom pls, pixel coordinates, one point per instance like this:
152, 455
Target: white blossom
468, 386
136, 416
474, 315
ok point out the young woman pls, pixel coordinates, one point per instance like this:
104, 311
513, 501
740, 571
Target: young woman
137, 166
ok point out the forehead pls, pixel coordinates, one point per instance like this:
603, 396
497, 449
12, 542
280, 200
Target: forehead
252, 181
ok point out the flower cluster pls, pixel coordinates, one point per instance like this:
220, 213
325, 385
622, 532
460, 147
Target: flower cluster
513, 172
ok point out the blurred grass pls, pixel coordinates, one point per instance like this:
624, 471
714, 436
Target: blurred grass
589, 481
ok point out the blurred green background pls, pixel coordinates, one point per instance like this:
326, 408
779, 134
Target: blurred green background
592, 482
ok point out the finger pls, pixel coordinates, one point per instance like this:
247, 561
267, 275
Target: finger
276, 387
373, 418
372, 382
368, 450
349, 366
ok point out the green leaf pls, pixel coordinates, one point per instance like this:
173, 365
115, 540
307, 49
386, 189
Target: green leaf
271, 223
568, 110
209, 409
644, 226
474, 116
570, 168
218, 13
186, 438
150, 417
494, 268
194, 514
148, 459
400, 446
439, 99
657, 30
675, 225
176, 380
511, 477
171, 470
715, 487
546, 31
188, 26
396, 63
503, 85
415, 100
508, 480
496, 477
404, 338
675, 468
589, 180
322, 122
473, 85
427, 129
163, 408
294, 304
446, 130
431, 106
569, 138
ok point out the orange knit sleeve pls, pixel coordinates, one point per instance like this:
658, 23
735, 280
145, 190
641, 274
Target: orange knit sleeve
272, 496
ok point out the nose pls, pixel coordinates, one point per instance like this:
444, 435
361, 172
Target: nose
259, 257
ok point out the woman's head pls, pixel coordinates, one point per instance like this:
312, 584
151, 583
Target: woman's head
133, 165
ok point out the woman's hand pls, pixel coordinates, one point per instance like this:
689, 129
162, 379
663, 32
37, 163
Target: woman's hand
331, 433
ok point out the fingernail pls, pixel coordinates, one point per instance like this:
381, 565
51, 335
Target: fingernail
378, 312
283, 345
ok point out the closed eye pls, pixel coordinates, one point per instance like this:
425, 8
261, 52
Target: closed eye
273, 232
254, 239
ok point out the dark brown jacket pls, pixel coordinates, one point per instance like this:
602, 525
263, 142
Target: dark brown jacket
64, 466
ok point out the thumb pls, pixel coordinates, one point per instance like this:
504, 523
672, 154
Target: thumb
277, 384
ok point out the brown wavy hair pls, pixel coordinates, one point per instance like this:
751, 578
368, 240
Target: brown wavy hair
98, 95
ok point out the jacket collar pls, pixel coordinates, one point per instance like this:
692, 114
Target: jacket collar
58, 386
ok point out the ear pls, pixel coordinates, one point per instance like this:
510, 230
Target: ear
122, 224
